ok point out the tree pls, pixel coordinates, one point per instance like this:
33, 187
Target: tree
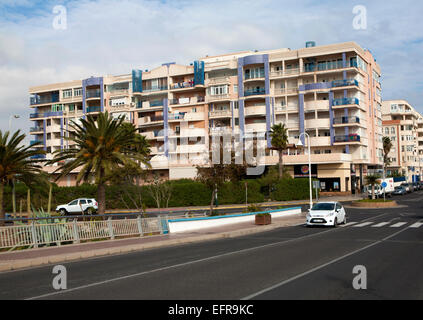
372, 180
100, 147
387, 146
279, 142
16, 163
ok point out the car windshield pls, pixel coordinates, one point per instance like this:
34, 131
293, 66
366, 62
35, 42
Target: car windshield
323, 206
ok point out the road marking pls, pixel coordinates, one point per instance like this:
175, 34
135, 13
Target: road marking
363, 224
187, 263
380, 224
416, 225
399, 224
348, 224
321, 266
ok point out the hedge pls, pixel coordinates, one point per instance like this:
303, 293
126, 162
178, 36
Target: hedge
185, 193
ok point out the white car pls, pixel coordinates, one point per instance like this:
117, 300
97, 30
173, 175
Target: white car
326, 214
78, 206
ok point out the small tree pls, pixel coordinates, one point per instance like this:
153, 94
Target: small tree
387, 146
279, 142
373, 180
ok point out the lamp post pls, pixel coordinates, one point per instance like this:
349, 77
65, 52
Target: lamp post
16, 116
300, 143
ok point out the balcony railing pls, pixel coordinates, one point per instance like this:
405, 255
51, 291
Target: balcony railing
176, 116
36, 129
253, 92
44, 99
347, 138
220, 113
94, 109
156, 103
346, 120
344, 83
45, 114
152, 89
38, 156
345, 101
181, 85
32, 142
93, 94
156, 118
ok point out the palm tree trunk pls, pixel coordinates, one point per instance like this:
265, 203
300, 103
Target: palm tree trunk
2, 212
280, 164
101, 196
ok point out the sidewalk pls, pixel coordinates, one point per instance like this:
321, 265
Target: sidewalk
49, 255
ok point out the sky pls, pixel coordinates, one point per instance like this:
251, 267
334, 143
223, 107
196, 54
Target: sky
113, 37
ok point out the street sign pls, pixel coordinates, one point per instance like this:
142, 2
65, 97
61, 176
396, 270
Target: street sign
384, 184
316, 184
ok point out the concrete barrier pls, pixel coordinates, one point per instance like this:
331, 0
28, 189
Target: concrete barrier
190, 224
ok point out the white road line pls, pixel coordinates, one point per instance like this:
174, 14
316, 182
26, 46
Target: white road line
416, 225
348, 224
321, 266
380, 224
363, 224
399, 224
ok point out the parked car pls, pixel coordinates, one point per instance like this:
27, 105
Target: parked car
79, 206
399, 191
416, 186
408, 187
326, 214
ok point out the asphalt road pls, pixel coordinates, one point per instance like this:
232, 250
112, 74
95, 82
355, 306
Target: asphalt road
287, 263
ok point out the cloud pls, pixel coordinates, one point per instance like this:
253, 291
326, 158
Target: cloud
113, 37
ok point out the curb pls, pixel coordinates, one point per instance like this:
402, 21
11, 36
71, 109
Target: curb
36, 262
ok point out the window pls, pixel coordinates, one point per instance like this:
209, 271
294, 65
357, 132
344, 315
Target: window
386, 130
67, 93
393, 130
82, 202
219, 90
73, 203
71, 107
77, 92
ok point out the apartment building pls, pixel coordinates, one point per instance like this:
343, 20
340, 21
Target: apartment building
404, 126
332, 93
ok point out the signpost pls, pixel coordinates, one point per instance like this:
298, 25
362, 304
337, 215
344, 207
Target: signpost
384, 185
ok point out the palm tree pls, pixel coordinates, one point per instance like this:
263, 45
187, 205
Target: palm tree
387, 146
101, 146
372, 180
279, 142
16, 163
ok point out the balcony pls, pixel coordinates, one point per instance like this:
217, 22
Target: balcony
220, 114
93, 94
38, 157
218, 97
347, 138
344, 83
255, 111
285, 73
217, 80
36, 99
184, 101
254, 75
182, 85
346, 101
316, 105
317, 123
346, 120
154, 89
286, 91
36, 129
254, 92
176, 116
32, 142
94, 109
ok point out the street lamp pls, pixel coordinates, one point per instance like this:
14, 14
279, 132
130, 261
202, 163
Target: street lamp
16, 116
300, 144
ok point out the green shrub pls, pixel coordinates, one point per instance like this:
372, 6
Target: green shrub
292, 189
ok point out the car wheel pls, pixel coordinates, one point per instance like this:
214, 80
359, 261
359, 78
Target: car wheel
335, 223
63, 212
90, 211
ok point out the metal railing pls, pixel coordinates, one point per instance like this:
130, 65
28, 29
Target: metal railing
36, 233
347, 138
345, 101
252, 92
346, 120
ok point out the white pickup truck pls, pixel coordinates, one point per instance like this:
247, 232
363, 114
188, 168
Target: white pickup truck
78, 206
379, 190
